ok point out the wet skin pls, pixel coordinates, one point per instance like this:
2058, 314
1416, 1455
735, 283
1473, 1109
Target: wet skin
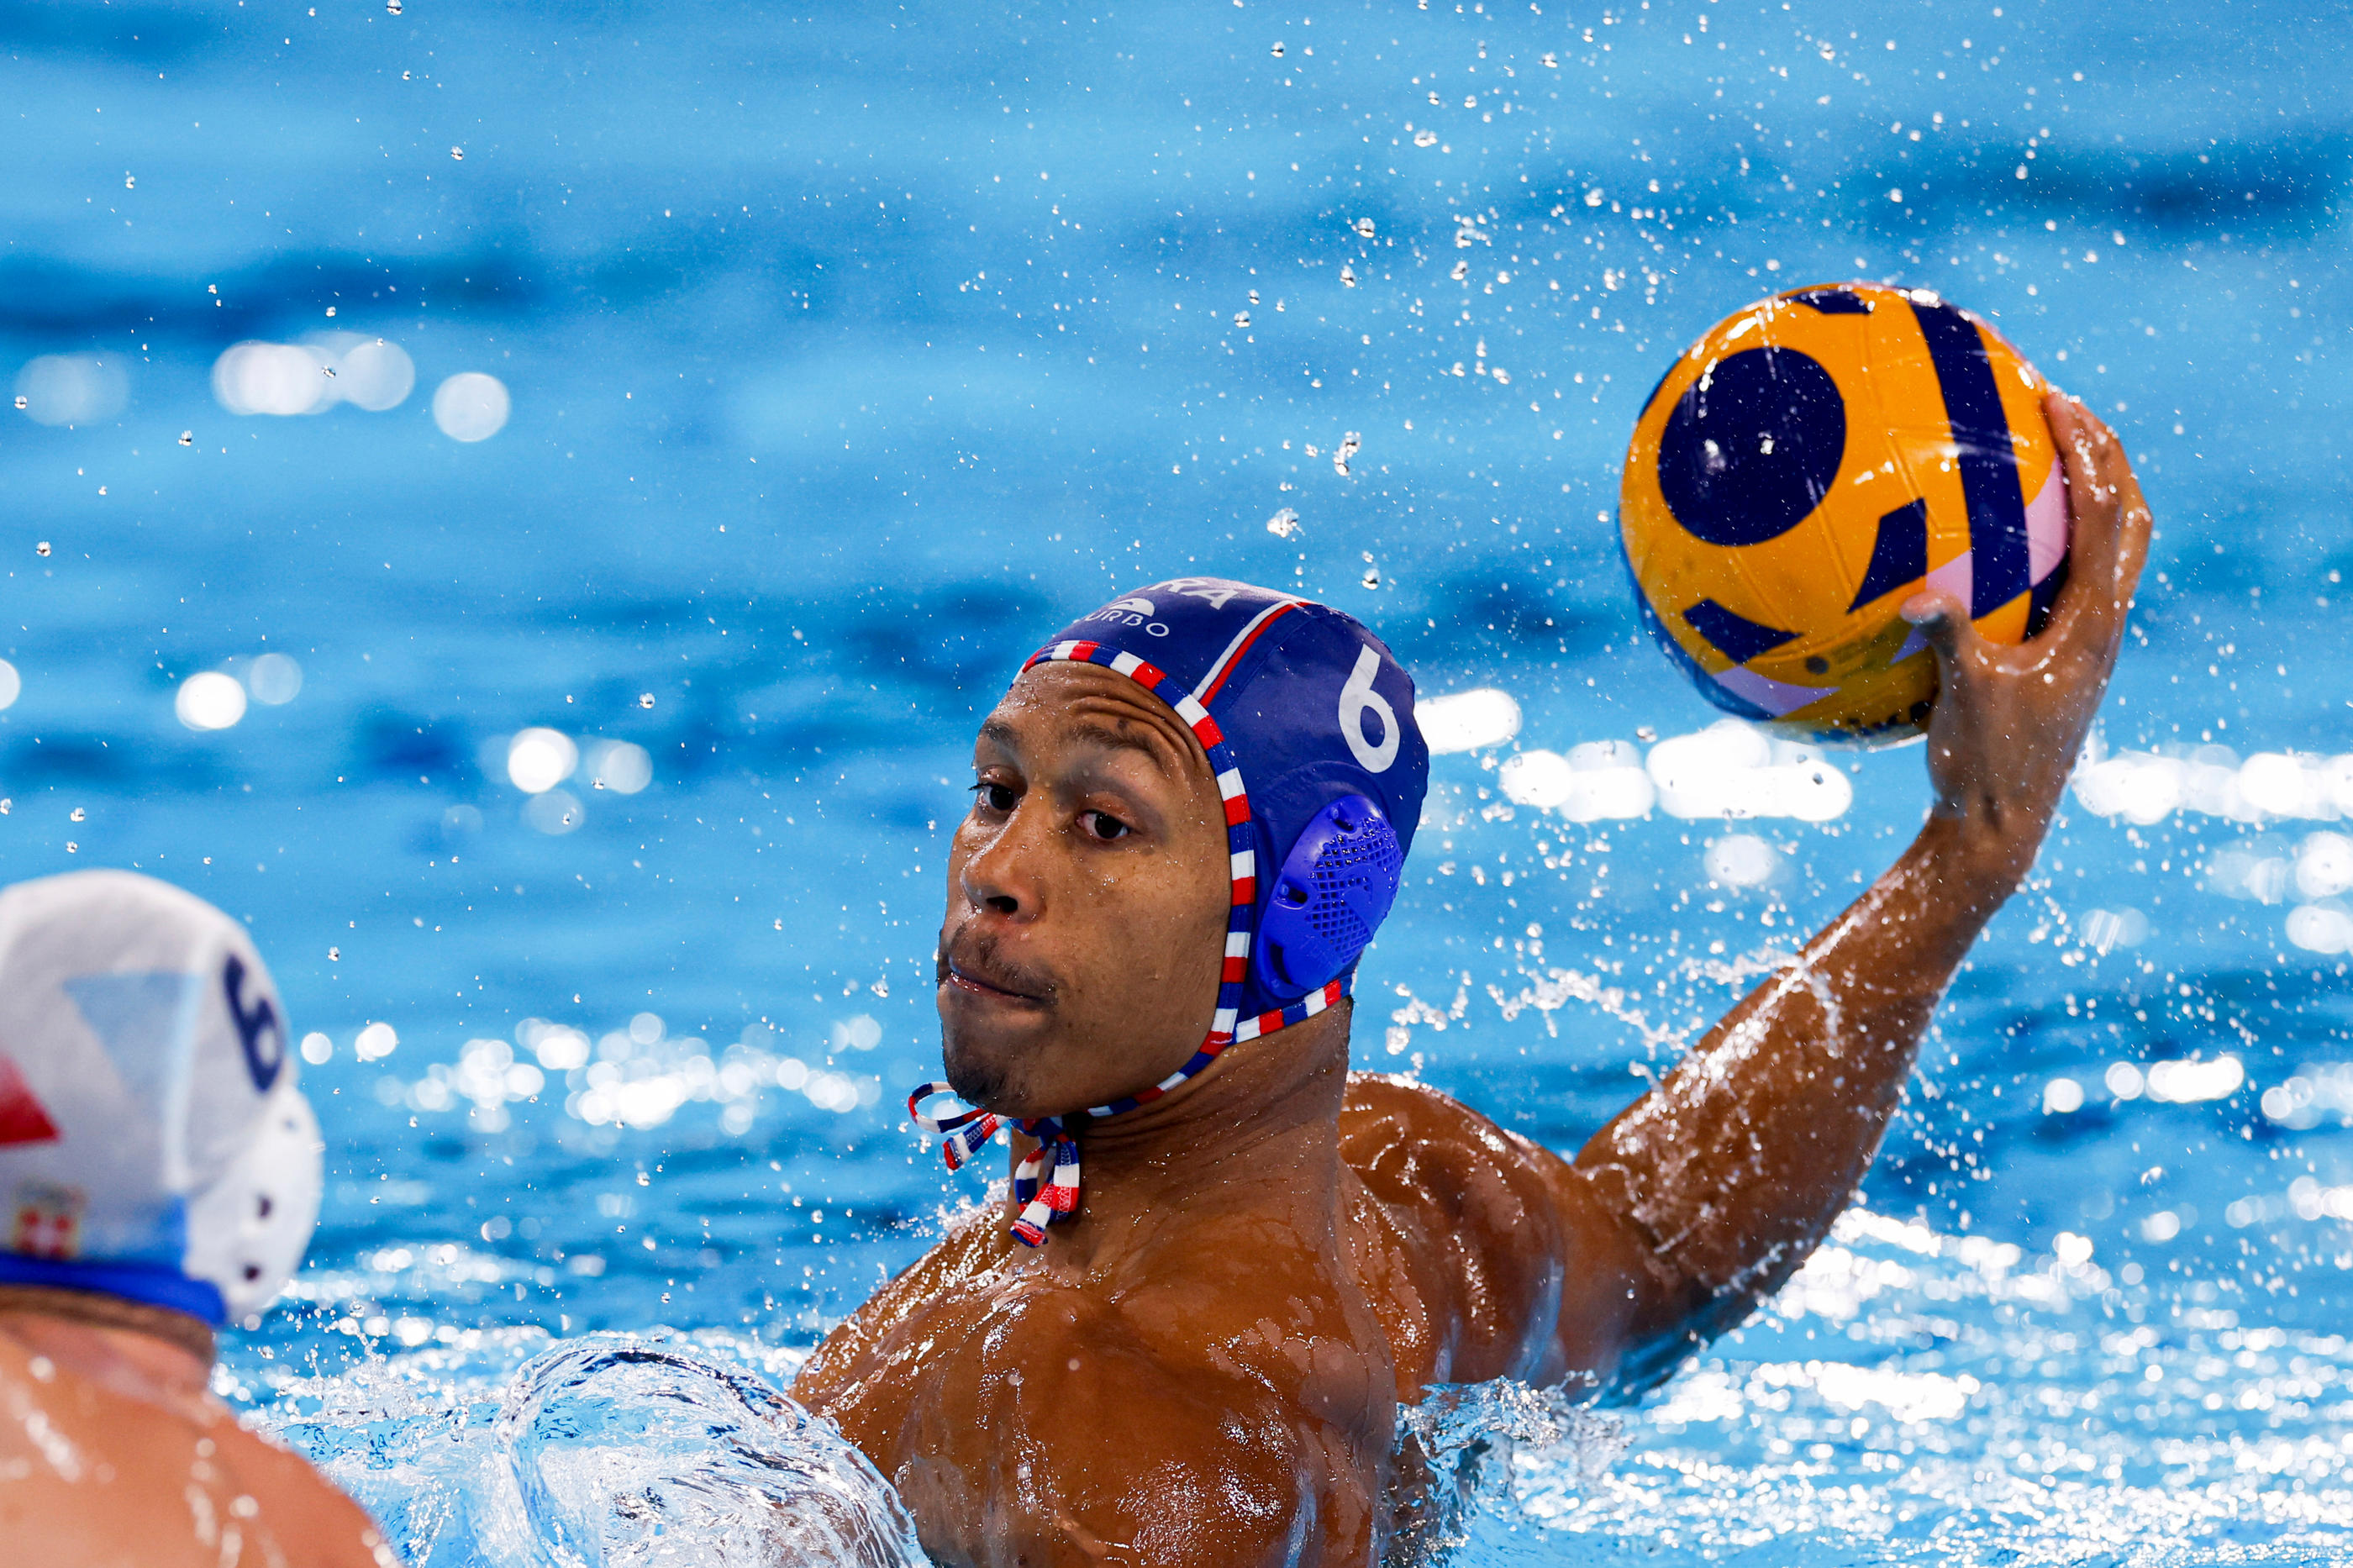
1204, 1368
112, 1451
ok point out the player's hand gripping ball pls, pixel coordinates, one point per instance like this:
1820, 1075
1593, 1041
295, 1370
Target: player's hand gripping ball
1811, 463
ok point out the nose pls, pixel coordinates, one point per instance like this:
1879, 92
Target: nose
1000, 874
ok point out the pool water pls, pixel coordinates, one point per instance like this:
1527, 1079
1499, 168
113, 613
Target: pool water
573, 689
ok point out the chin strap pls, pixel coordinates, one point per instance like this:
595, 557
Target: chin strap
1046, 1183
963, 1134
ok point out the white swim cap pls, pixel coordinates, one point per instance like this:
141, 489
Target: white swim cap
152, 1144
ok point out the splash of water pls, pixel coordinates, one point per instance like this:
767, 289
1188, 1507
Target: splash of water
607, 1451
1454, 1462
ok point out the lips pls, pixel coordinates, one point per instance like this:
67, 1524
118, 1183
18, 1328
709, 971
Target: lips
978, 973
979, 987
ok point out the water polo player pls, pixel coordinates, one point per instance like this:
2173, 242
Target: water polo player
1227, 1263
160, 1174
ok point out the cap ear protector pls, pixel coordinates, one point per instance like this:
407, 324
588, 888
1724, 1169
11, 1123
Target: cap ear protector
246, 1232
1334, 888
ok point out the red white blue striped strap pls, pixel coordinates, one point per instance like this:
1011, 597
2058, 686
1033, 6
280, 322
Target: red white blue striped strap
963, 1134
1056, 1158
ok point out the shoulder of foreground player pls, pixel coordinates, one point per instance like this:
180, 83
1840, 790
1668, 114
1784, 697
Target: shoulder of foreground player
313, 1524
91, 1474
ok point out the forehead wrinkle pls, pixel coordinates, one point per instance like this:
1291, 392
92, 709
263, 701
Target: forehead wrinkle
1133, 720
1124, 736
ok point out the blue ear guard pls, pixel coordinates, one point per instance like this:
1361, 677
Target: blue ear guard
1334, 888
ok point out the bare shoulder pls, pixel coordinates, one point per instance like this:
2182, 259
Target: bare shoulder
88, 1474
1491, 1255
1412, 1145
975, 1244
309, 1516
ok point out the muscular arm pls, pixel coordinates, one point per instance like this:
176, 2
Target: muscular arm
1703, 1197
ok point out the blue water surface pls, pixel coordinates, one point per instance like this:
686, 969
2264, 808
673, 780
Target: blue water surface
845, 355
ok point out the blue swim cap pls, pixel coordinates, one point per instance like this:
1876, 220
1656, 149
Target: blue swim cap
1311, 733
1308, 722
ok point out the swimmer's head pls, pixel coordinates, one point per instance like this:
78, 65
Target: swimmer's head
153, 1147
1190, 816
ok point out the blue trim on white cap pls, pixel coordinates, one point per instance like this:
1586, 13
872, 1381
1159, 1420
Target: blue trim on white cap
151, 1283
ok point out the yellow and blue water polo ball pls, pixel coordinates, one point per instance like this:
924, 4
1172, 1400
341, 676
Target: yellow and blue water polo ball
1808, 465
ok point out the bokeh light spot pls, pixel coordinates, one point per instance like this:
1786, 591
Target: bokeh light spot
472, 406
274, 679
71, 389
539, 759
209, 700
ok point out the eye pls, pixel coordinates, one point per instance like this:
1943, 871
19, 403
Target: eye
1102, 825
995, 797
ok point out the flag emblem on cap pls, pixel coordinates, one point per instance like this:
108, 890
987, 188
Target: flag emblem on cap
47, 1222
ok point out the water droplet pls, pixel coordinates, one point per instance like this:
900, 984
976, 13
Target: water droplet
1425, 138
187, 437
334, 954
458, 154
42, 548
1552, 62
1462, 271
1349, 446
22, 401
1253, 296
1278, 51
129, 182
1364, 228
1284, 524
1372, 576
77, 814
1347, 276
645, 698
392, 7
1241, 318
72, 848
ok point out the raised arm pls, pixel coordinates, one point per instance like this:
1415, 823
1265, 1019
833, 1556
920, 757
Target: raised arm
1704, 1195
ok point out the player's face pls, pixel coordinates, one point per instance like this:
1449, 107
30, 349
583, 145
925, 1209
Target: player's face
1087, 891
